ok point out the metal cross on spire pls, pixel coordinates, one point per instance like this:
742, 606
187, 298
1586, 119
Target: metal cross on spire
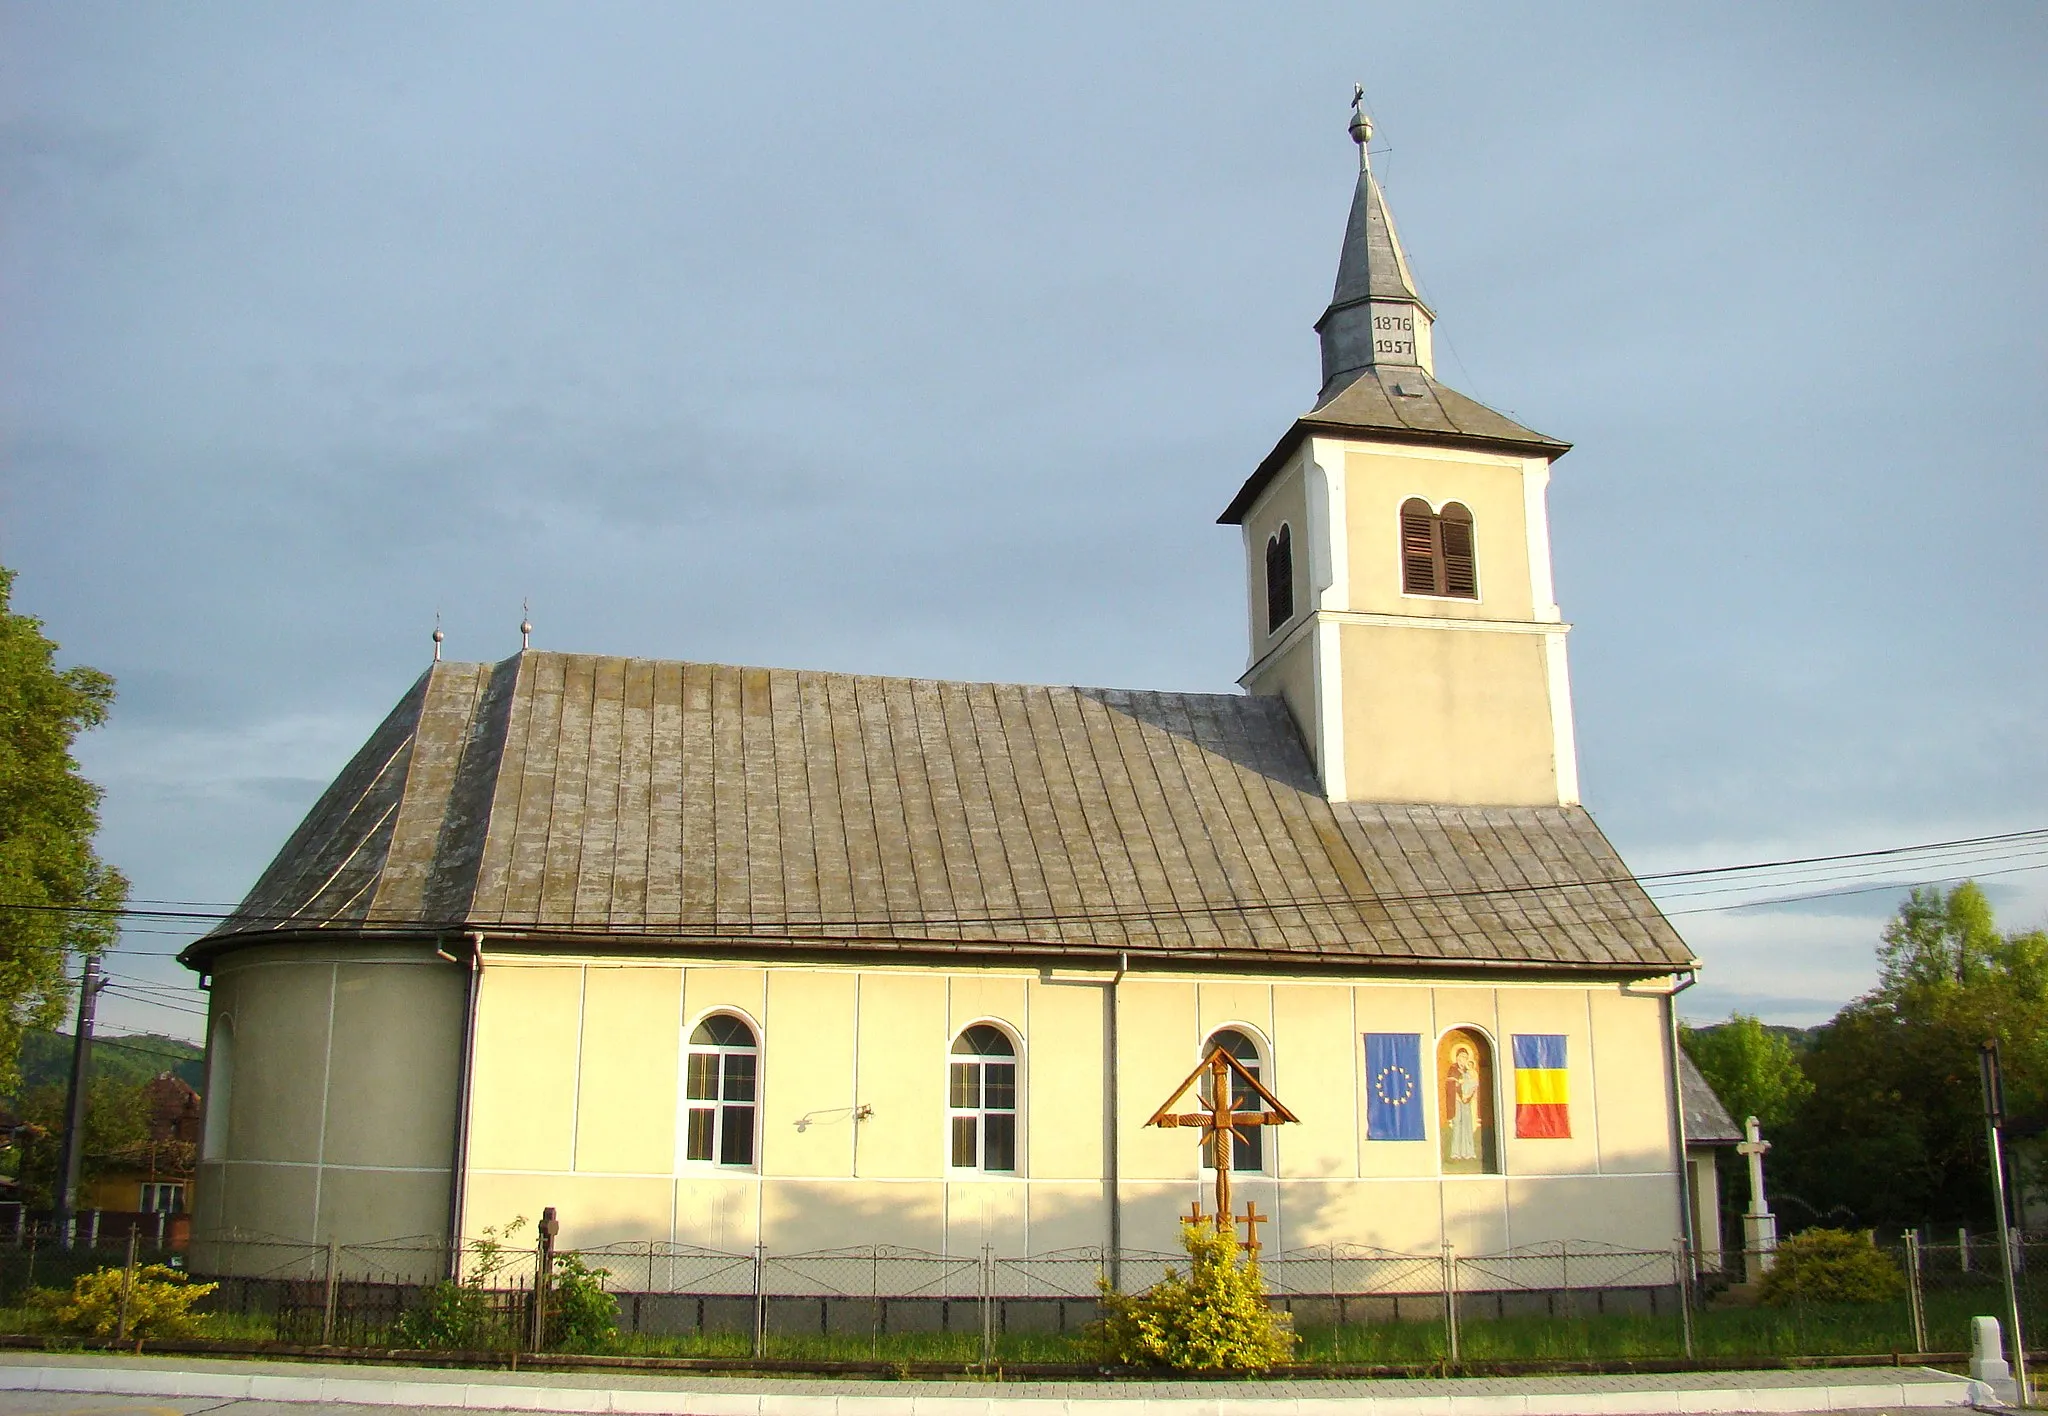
1361, 125
1222, 1120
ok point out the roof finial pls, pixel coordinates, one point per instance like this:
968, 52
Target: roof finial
438, 636
1361, 125
525, 626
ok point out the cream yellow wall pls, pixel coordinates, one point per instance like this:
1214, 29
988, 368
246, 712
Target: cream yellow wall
342, 1104
1283, 503
837, 1039
1416, 698
1461, 717
1493, 488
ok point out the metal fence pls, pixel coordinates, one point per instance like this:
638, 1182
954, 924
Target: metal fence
1351, 1303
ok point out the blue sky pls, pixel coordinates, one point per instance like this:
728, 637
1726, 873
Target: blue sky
931, 341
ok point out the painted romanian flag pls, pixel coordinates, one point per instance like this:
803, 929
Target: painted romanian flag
1542, 1086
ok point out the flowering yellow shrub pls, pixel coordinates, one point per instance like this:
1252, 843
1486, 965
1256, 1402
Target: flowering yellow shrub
1215, 1319
159, 1303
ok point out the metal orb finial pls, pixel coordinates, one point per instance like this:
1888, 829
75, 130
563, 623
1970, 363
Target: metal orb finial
1361, 125
525, 626
438, 636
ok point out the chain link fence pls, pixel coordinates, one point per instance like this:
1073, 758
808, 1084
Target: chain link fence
1350, 1303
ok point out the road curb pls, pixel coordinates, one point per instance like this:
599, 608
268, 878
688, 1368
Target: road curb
1924, 1389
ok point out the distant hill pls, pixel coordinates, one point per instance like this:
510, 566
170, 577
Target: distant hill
1800, 1038
46, 1059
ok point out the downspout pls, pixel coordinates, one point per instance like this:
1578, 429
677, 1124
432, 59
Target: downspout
1112, 1171
458, 1179
1681, 982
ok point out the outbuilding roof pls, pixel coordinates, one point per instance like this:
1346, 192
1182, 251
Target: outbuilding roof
1707, 1122
573, 797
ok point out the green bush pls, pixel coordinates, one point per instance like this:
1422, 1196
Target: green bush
464, 1315
1830, 1266
582, 1317
1214, 1319
159, 1303
460, 1316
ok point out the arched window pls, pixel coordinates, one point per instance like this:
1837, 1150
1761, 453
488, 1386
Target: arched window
982, 1101
1436, 551
1279, 580
719, 1092
220, 1086
1248, 1150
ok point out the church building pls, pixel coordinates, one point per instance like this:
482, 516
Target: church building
730, 956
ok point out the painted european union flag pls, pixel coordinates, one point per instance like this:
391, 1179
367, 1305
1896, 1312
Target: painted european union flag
1394, 1091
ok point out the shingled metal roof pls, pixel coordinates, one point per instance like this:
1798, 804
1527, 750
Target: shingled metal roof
1389, 403
582, 798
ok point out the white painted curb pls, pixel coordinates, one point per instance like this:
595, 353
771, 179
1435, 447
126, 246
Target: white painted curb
1854, 1394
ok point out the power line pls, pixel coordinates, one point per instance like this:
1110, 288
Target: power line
1855, 866
213, 912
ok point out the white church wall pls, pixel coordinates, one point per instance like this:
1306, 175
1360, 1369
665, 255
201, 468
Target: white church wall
592, 1052
340, 1120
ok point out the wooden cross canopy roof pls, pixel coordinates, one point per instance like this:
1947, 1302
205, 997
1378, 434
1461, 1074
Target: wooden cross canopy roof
630, 803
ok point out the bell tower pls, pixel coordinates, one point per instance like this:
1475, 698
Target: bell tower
1397, 553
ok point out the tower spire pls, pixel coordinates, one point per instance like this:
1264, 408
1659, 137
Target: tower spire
1375, 316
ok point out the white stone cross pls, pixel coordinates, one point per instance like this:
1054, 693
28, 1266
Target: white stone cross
1754, 1148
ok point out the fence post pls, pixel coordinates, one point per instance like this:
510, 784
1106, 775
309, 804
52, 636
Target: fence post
760, 1300
327, 1306
93, 1242
161, 1217
1336, 1303
1963, 1247
1564, 1277
543, 1273
1451, 1300
1681, 1269
20, 1222
127, 1288
988, 1304
1915, 1300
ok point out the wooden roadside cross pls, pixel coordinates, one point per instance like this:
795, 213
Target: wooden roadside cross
1220, 1125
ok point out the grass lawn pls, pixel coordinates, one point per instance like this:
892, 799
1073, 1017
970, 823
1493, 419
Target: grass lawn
1814, 1331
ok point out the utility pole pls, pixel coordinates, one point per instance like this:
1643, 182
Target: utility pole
72, 1156
1994, 1121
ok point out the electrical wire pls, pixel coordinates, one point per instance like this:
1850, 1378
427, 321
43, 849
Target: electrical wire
1833, 872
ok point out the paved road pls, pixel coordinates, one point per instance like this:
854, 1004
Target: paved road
24, 1403
37, 1403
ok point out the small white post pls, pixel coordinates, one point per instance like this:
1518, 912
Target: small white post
1987, 1361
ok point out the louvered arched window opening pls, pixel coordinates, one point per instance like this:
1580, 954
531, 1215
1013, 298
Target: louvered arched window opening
1437, 551
1279, 579
719, 1083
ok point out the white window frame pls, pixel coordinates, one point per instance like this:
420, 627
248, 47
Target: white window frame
153, 1192
1262, 1068
716, 1107
980, 1112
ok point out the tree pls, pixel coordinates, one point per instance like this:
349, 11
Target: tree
1753, 1070
1893, 1132
1936, 939
57, 897
116, 1132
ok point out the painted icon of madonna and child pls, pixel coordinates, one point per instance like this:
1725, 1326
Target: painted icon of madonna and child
1464, 1064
